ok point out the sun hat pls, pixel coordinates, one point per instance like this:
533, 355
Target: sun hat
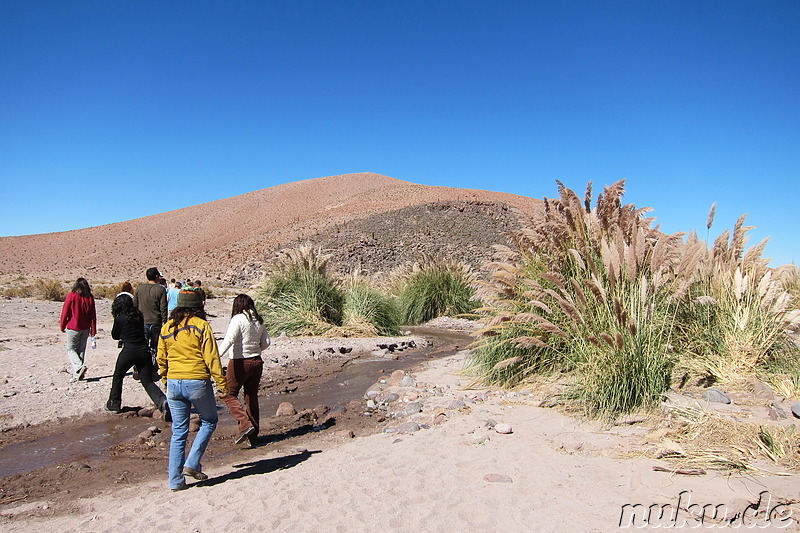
190, 297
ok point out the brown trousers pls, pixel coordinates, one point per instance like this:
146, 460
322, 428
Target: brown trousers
244, 374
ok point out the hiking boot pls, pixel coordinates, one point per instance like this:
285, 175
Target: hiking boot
81, 373
241, 437
182, 486
198, 475
114, 408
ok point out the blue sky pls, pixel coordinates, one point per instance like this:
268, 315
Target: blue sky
114, 110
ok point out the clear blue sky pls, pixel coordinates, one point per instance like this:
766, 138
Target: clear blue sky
113, 110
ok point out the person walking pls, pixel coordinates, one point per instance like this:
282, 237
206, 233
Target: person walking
172, 296
244, 341
128, 328
151, 299
188, 358
79, 321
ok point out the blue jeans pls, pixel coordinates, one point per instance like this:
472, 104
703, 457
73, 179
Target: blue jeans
182, 394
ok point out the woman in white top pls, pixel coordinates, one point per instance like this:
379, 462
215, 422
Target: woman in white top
245, 339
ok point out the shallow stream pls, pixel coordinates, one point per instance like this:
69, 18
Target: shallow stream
93, 440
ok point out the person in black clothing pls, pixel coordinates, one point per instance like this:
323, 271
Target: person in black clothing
128, 328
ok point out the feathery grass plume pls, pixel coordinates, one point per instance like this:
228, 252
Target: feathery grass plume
434, 287
711, 213
571, 268
737, 318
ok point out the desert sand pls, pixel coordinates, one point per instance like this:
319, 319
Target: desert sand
437, 461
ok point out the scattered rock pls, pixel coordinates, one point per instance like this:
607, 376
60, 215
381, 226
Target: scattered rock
285, 409
503, 428
371, 404
408, 381
396, 377
796, 409
762, 390
389, 398
439, 418
497, 478
346, 433
407, 428
413, 408
490, 423
144, 435
145, 412
713, 394
776, 412
320, 411
411, 397
457, 404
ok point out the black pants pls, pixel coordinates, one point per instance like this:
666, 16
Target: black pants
152, 332
138, 356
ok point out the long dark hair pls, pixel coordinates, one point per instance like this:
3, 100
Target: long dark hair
244, 304
123, 305
81, 286
180, 315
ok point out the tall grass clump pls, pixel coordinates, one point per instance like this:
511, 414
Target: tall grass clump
49, 289
434, 287
298, 296
587, 291
738, 316
600, 294
368, 312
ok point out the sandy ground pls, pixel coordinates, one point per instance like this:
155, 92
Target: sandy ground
431, 459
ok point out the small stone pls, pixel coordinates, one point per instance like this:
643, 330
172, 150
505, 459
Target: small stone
503, 428
396, 377
413, 408
389, 398
320, 411
371, 404
372, 394
439, 419
346, 433
408, 381
144, 435
285, 409
145, 412
411, 397
762, 390
407, 428
796, 409
713, 394
490, 423
776, 412
457, 404
153, 429
497, 478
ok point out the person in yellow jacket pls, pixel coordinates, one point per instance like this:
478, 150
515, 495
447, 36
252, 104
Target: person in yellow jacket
187, 360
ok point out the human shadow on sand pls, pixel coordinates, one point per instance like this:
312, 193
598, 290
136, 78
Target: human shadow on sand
263, 466
263, 440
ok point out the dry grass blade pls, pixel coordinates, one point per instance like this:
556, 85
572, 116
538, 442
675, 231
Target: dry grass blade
511, 361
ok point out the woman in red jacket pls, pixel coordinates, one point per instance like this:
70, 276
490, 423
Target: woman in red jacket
79, 320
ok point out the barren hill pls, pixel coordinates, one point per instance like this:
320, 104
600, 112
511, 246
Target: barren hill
372, 220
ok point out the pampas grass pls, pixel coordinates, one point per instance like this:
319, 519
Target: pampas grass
434, 287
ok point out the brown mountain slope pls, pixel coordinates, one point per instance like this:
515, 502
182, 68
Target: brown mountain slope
215, 240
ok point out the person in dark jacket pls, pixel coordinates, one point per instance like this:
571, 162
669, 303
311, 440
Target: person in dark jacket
129, 329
